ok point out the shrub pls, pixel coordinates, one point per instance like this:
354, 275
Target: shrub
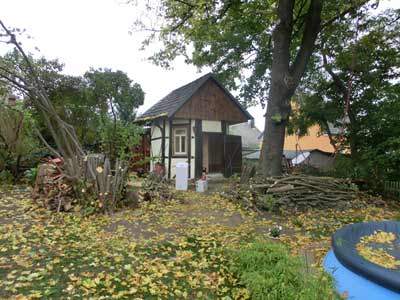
30, 175
270, 272
6, 177
269, 203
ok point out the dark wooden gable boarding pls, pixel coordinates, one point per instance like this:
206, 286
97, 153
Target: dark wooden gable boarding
211, 102
204, 98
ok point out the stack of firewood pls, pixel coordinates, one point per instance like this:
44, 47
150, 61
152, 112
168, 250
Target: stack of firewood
307, 191
51, 189
294, 193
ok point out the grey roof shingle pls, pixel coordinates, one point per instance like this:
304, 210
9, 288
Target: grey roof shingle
171, 103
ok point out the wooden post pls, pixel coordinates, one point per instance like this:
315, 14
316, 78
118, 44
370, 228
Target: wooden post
198, 149
189, 138
169, 148
163, 143
223, 128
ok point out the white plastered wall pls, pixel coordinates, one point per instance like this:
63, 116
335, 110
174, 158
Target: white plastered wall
212, 126
156, 148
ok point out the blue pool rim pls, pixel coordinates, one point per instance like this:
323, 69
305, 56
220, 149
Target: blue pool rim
356, 286
344, 243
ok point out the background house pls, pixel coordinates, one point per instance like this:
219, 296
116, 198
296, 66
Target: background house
314, 139
191, 124
313, 149
250, 136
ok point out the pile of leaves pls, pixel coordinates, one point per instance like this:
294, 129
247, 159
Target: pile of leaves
294, 192
376, 248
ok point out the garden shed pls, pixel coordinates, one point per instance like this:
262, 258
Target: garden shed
191, 124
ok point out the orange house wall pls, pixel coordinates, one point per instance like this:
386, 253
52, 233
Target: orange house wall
313, 140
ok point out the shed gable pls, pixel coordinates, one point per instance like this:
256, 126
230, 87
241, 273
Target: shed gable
211, 102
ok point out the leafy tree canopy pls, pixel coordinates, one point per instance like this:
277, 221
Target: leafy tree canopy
115, 92
356, 78
233, 37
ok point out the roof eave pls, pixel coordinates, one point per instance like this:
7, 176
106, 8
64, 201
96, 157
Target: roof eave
150, 118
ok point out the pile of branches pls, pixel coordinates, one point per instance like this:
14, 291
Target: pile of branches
156, 187
244, 196
291, 192
304, 192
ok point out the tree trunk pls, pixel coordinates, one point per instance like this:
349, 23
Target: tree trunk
277, 106
274, 136
285, 79
353, 137
332, 141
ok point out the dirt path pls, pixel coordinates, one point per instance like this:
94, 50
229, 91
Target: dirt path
196, 215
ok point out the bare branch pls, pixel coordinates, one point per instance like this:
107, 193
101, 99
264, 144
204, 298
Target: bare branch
15, 83
45, 143
338, 82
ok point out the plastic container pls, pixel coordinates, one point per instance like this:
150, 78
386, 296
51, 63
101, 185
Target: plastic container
181, 183
201, 186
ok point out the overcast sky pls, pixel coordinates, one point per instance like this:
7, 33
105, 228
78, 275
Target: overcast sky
95, 33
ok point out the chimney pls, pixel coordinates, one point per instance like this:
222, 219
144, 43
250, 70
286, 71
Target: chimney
12, 99
251, 123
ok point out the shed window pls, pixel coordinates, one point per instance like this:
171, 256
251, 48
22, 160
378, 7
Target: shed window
180, 141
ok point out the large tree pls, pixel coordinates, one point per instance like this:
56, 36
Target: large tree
263, 46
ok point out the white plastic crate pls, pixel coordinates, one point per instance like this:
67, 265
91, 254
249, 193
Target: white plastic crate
201, 186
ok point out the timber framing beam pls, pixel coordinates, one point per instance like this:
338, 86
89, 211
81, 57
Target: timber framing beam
198, 149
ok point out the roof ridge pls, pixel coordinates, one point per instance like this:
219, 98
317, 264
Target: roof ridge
208, 75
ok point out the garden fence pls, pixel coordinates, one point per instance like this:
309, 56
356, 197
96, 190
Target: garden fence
392, 188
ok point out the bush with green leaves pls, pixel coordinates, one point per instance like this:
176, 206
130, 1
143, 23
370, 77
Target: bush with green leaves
269, 203
30, 175
117, 139
270, 272
6, 177
17, 137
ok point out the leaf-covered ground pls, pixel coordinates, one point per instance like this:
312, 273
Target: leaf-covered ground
168, 251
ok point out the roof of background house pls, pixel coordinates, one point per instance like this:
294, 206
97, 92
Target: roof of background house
171, 103
289, 154
335, 129
248, 133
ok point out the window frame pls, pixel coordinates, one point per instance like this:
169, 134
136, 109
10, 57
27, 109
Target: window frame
174, 136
